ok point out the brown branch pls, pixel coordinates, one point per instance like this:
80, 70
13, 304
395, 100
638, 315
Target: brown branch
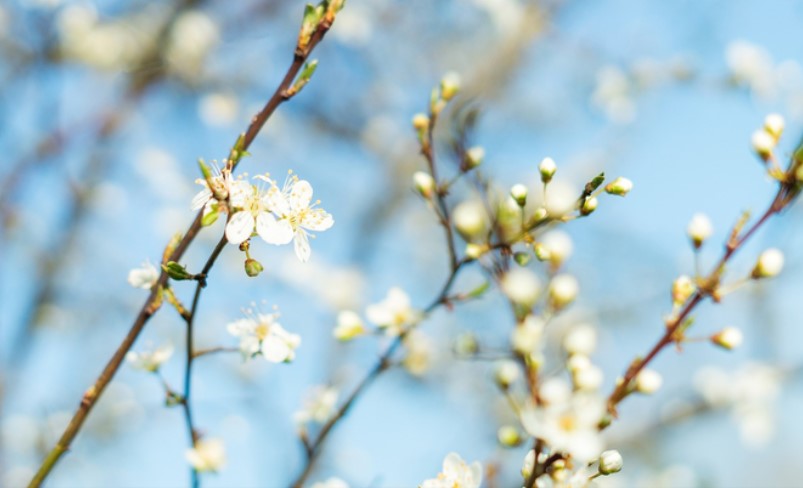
736, 242
153, 302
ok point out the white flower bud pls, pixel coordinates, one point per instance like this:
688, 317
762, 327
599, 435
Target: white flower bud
474, 157
207, 455
589, 206
474, 251
769, 264
699, 229
420, 122
620, 186
728, 338
526, 337
588, 378
577, 362
774, 125
144, 277
528, 465
648, 381
470, 220
563, 289
547, 168
450, 85
509, 436
424, 184
557, 246
466, 345
763, 144
349, 326
521, 286
682, 288
519, 194
581, 340
610, 462
506, 373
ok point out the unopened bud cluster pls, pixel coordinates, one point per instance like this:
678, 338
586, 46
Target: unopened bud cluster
765, 139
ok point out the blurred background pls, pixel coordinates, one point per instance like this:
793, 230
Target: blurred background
105, 107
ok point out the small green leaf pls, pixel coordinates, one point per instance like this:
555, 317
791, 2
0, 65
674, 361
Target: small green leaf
211, 217
592, 185
480, 290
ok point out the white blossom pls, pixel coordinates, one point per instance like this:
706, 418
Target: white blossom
207, 455
262, 334
144, 277
295, 215
567, 421
150, 360
456, 473
521, 286
319, 406
349, 326
394, 313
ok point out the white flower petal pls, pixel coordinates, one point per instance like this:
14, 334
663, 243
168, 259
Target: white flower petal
239, 192
275, 349
277, 202
300, 195
302, 246
201, 198
240, 227
274, 231
317, 220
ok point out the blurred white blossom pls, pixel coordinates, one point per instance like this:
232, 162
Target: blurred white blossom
262, 334
456, 473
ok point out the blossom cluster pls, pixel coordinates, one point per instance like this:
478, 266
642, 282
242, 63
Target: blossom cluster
277, 215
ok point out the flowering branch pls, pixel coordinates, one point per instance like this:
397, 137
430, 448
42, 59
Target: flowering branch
305, 46
709, 287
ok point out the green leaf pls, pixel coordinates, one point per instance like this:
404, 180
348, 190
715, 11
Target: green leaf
480, 290
592, 185
177, 271
211, 217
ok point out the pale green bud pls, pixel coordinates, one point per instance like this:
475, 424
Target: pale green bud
769, 264
450, 85
620, 187
728, 338
253, 267
474, 157
519, 194
610, 462
589, 206
547, 168
424, 184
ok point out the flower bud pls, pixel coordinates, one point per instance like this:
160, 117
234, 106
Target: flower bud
648, 381
769, 264
620, 187
699, 229
541, 252
474, 157
506, 373
547, 168
581, 340
558, 245
253, 267
610, 462
528, 465
424, 184
521, 258
474, 251
563, 289
420, 122
682, 288
519, 194
470, 220
450, 85
588, 378
763, 144
349, 326
466, 345
728, 338
521, 286
509, 436
526, 337
589, 205
774, 125
177, 271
